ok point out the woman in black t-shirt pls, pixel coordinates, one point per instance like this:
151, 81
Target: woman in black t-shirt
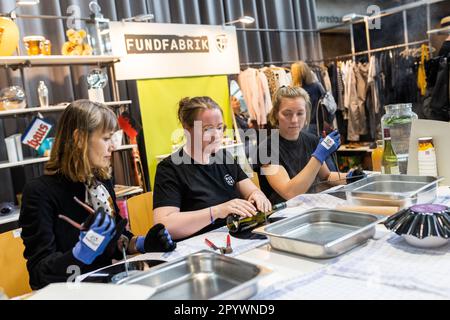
297, 161
200, 185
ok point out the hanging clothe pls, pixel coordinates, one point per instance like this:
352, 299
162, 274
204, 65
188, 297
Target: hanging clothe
266, 96
272, 80
249, 83
421, 74
255, 88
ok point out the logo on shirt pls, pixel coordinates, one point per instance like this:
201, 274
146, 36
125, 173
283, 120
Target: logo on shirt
229, 180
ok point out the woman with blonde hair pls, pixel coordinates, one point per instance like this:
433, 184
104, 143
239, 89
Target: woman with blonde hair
297, 163
69, 217
302, 76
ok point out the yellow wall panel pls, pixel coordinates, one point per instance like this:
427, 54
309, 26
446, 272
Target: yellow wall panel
159, 99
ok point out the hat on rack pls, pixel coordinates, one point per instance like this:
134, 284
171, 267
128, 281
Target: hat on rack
445, 22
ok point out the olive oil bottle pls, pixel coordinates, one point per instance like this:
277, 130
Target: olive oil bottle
236, 224
390, 161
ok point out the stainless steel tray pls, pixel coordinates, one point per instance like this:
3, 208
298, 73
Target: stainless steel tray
321, 233
393, 190
202, 276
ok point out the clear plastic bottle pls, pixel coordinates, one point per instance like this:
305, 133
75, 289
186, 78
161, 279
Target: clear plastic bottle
398, 119
43, 94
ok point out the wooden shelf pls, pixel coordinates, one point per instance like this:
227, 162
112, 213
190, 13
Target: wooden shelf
359, 149
125, 191
7, 165
43, 61
57, 108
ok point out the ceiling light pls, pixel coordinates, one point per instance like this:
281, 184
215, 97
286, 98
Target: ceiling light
244, 20
140, 18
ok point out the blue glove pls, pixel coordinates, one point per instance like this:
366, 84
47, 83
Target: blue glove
157, 239
355, 175
327, 146
95, 237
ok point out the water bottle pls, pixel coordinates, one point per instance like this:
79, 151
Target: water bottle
43, 94
398, 119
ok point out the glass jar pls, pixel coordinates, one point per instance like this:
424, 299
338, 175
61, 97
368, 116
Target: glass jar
398, 119
377, 156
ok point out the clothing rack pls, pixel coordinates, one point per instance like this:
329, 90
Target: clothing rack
266, 63
401, 9
404, 45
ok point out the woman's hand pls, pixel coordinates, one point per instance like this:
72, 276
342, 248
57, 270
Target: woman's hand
240, 207
259, 199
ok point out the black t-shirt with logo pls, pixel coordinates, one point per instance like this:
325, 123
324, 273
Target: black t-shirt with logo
191, 186
292, 155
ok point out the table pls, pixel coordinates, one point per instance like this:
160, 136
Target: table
286, 266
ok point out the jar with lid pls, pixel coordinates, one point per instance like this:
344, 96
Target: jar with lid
398, 119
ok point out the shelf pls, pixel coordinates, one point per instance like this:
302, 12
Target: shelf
13, 217
125, 191
56, 108
359, 149
43, 61
446, 30
126, 147
118, 103
7, 165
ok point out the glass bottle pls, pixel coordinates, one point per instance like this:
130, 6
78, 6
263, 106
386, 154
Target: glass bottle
43, 94
377, 156
236, 224
390, 160
398, 119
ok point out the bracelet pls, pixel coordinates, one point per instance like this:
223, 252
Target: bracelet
210, 215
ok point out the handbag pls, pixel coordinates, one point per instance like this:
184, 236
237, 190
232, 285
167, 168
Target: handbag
325, 112
328, 101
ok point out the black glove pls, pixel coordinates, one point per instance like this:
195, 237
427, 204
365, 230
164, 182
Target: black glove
157, 239
114, 248
355, 175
